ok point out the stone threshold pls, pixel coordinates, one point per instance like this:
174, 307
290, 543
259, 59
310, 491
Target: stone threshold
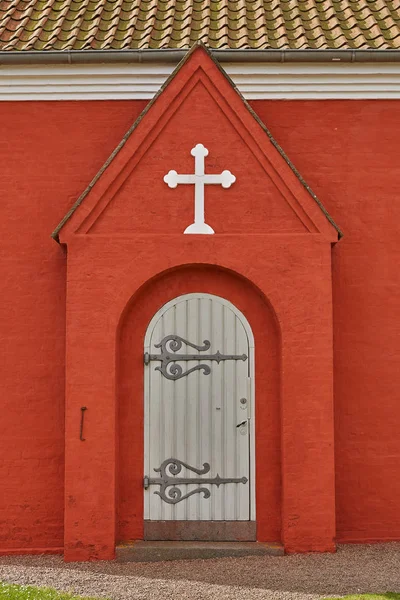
150, 551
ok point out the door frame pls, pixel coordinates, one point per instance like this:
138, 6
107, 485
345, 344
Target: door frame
251, 392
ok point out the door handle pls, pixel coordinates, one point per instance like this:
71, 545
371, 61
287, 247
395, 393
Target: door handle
242, 423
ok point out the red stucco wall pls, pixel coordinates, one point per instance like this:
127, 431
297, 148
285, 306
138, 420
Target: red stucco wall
49, 152
348, 153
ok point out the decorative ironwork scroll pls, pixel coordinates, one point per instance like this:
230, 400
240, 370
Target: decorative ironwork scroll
168, 357
168, 482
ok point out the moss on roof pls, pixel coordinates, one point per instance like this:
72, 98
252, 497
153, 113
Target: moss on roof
222, 24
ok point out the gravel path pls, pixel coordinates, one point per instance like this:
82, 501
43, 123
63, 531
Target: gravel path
354, 568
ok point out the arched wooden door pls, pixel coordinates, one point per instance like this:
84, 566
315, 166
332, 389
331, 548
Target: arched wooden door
199, 422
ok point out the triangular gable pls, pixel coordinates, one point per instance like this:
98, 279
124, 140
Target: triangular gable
147, 151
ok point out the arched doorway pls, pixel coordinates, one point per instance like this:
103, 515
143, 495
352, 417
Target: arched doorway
199, 421
259, 320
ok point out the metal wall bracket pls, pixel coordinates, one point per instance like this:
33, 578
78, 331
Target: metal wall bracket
83, 409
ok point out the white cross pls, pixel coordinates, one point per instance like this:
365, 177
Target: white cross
199, 179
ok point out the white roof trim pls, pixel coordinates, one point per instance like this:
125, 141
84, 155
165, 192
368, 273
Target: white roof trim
256, 81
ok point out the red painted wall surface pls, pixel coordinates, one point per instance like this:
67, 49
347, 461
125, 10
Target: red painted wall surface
347, 151
48, 152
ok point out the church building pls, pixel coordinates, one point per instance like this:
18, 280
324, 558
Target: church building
200, 282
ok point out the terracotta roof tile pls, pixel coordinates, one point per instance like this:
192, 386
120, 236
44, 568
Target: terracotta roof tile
241, 24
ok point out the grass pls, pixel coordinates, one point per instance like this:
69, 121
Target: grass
386, 596
25, 592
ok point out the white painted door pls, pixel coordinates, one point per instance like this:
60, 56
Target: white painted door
198, 412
